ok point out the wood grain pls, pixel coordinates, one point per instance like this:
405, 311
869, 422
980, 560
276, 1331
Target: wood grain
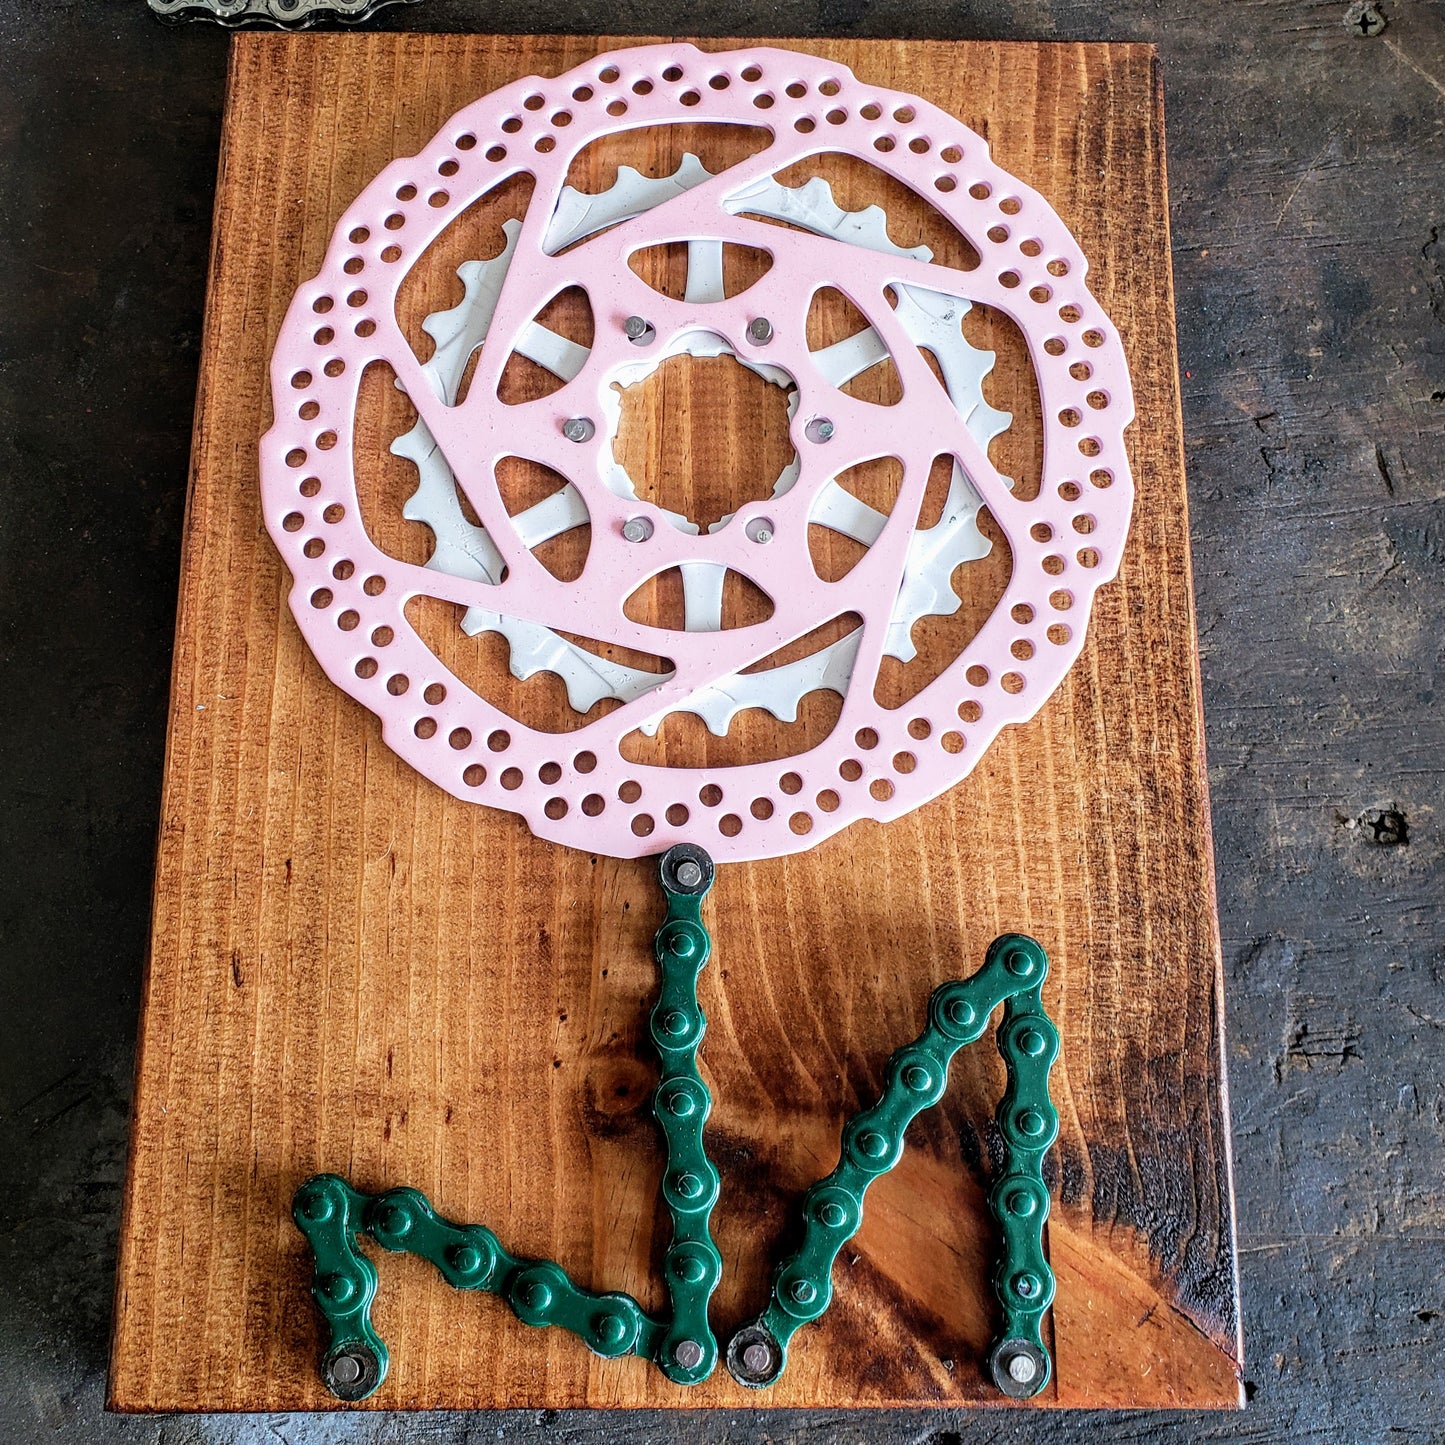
352, 971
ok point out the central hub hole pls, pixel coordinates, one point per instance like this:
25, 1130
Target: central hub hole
703, 435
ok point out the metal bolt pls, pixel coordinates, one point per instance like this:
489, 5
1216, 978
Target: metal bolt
579, 429
1022, 1369
346, 1369
688, 1354
820, 429
760, 331
636, 529
1027, 1286
1365, 19
802, 1292
638, 330
689, 873
760, 530
757, 1358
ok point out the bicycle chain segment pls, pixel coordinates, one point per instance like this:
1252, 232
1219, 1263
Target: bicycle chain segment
917, 1074
682, 1103
332, 1215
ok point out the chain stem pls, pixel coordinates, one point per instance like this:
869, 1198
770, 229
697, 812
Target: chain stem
916, 1076
682, 1104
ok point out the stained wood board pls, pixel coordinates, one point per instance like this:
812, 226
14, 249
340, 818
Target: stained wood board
353, 971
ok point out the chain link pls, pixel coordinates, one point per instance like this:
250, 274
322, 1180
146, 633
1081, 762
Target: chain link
331, 1214
916, 1076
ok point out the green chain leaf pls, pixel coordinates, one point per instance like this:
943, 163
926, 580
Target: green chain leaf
916, 1076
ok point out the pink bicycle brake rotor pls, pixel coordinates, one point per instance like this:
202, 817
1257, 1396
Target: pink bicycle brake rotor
349, 598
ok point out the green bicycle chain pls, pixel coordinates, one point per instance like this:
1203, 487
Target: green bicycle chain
332, 1215
682, 1103
916, 1076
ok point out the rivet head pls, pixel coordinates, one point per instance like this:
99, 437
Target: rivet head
317, 1207
873, 1144
537, 1295
688, 1186
681, 944
1021, 1203
1032, 1042
688, 1354
579, 429
338, 1288
832, 1214
610, 1329
689, 873
1026, 1286
395, 1220
1022, 1369
636, 529
346, 1370
680, 1104
674, 1023
802, 1292
466, 1259
820, 429
757, 1358
960, 1013
637, 328
760, 331
1031, 1122
690, 1269
917, 1078
1019, 963
760, 530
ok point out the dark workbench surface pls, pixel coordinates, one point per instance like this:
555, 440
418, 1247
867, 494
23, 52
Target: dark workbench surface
1308, 172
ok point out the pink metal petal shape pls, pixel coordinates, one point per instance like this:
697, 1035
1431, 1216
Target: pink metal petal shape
876, 762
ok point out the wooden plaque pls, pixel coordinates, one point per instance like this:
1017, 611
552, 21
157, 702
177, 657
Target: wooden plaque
352, 971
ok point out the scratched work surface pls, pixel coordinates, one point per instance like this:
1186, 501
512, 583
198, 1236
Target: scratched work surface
351, 971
